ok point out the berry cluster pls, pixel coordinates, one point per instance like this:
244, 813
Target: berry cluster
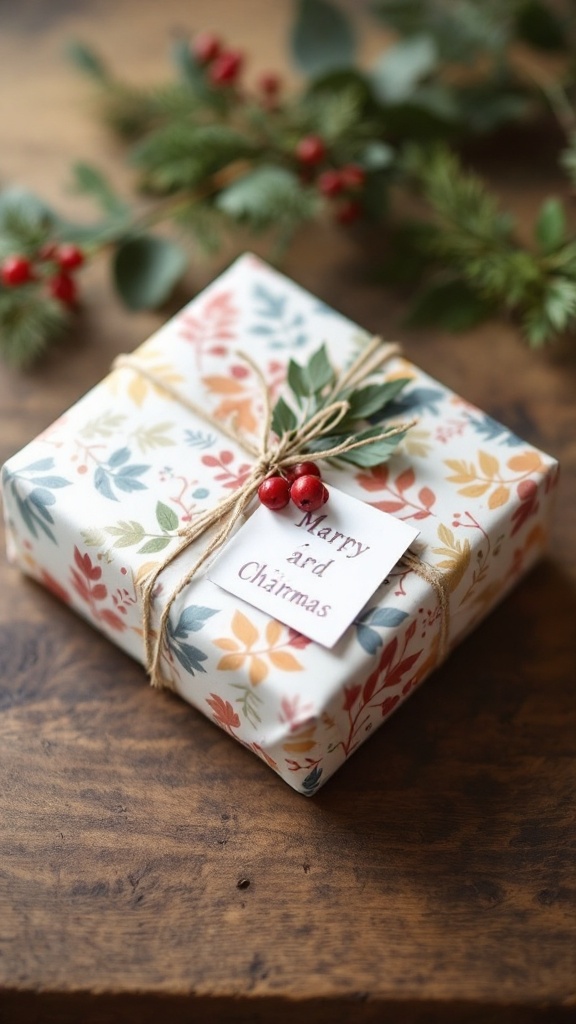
302, 484
53, 264
224, 66
341, 184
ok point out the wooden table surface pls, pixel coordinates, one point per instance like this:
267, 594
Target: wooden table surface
148, 865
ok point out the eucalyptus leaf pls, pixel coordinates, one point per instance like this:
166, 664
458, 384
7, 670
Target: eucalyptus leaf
402, 67
266, 195
373, 398
319, 371
322, 37
373, 454
146, 269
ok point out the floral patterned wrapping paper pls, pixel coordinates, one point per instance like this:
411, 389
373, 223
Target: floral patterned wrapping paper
99, 496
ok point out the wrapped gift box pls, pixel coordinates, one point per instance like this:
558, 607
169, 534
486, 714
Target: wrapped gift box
100, 496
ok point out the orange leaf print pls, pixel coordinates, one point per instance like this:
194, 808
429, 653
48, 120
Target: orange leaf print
230, 662
224, 713
244, 630
527, 462
488, 464
498, 497
285, 661
273, 632
299, 746
240, 409
226, 644
258, 670
223, 385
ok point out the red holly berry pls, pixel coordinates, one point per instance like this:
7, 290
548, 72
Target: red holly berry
206, 47
274, 492
311, 150
302, 469
353, 176
226, 67
330, 183
63, 288
269, 83
15, 270
348, 212
69, 257
308, 492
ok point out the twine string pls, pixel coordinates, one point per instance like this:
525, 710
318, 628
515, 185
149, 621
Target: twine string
270, 455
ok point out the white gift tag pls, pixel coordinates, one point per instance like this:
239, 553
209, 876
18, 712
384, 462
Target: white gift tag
313, 571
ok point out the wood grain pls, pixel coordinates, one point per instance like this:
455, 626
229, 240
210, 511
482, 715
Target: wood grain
148, 865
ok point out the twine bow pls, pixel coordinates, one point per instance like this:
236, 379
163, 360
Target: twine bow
270, 455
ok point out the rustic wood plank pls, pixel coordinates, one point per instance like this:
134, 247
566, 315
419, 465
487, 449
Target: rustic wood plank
147, 864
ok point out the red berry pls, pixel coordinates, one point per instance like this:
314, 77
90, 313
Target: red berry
69, 257
226, 67
348, 212
330, 183
269, 83
353, 176
302, 469
307, 492
206, 47
311, 150
274, 492
15, 270
62, 287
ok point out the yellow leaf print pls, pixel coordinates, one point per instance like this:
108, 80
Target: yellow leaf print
464, 472
499, 497
223, 385
488, 464
244, 630
455, 556
284, 660
474, 490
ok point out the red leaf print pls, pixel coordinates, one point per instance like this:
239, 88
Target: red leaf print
54, 587
209, 460
213, 323
224, 713
80, 586
369, 687
296, 639
401, 669
388, 654
405, 480
388, 506
410, 631
84, 563
376, 480
351, 694
528, 493
389, 704
426, 497
421, 514
226, 458
112, 620
99, 592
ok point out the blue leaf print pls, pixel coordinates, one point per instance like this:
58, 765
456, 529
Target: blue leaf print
33, 506
115, 473
119, 457
282, 330
425, 399
492, 430
366, 635
191, 620
102, 484
198, 439
312, 781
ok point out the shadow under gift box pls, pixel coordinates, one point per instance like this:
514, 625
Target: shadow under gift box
98, 498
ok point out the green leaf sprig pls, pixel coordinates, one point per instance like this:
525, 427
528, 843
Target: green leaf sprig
315, 387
